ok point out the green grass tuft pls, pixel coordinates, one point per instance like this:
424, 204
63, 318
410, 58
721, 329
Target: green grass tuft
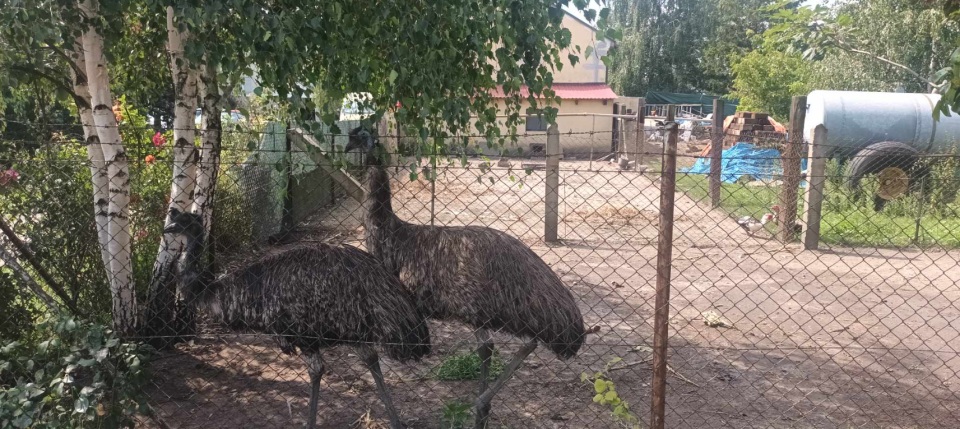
467, 367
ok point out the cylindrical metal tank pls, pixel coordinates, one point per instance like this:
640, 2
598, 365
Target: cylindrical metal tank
855, 120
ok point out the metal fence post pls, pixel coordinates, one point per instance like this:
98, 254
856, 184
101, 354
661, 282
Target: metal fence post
716, 150
790, 159
668, 182
552, 198
641, 139
813, 195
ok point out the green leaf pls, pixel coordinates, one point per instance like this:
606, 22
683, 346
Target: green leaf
598, 397
266, 37
81, 405
87, 362
588, 52
600, 386
393, 76
610, 396
258, 91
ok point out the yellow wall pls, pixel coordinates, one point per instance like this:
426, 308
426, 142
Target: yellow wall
584, 36
575, 131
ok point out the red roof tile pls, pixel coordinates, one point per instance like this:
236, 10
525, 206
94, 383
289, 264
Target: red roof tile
572, 91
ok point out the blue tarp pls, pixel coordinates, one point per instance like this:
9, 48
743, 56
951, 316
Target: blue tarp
743, 159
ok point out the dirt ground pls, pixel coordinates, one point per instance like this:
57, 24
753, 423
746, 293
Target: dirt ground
841, 337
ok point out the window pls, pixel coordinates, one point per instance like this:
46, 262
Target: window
536, 123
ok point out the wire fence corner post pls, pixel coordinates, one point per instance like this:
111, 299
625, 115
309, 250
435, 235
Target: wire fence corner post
668, 182
790, 158
813, 194
716, 150
552, 197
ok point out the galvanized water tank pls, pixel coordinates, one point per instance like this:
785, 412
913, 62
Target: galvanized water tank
855, 120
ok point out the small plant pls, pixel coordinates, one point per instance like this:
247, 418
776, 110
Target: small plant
80, 376
467, 367
455, 414
607, 396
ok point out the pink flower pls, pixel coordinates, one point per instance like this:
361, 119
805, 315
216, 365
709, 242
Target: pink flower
8, 177
159, 139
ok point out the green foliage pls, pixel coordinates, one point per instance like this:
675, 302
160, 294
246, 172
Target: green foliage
467, 367
875, 45
767, 80
55, 193
80, 376
606, 395
455, 414
681, 45
18, 312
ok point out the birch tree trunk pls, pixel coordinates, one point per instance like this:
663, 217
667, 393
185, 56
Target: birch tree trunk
118, 178
210, 147
162, 304
98, 170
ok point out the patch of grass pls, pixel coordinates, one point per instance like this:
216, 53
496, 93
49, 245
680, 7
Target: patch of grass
455, 414
467, 367
848, 216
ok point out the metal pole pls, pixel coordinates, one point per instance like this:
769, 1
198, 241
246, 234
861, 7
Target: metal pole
593, 140
433, 184
668, 182
716, 149
552, 196
916, 233
638, 159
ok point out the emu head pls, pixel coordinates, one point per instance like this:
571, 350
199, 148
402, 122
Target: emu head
363, 140
186, 223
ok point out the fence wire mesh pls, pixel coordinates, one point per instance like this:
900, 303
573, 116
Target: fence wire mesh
762, 332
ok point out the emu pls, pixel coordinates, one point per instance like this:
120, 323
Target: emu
310, 298
475, 275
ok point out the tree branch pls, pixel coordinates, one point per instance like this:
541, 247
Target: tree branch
916, 75
70, 61
81, 102
44, 274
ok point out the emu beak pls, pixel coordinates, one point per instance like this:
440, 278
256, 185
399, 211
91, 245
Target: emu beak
354, 144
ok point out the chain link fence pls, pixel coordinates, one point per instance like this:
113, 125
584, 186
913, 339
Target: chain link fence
858, 332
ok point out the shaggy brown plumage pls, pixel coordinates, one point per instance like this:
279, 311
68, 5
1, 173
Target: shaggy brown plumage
476, 275
310, 298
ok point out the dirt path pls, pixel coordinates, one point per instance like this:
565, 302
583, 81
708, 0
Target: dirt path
834, 338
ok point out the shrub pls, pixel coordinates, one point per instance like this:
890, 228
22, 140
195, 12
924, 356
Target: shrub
81, 376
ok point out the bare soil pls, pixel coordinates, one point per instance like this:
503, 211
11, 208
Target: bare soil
840, 337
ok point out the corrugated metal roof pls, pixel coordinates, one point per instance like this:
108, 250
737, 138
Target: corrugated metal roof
572, 91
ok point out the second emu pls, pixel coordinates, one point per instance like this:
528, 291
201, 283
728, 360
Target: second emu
476, 275
310, 298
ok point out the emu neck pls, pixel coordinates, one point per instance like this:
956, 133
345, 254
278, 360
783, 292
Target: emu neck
380, 210
192, 282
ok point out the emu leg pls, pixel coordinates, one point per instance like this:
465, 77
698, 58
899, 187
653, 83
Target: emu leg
315, 369
483, 402
372, 360
485, 351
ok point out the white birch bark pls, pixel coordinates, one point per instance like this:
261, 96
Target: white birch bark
118, 176
210, 147
98, 170
184, 151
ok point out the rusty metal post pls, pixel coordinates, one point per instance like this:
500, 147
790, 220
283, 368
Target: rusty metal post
668, 182
716, 149
790, 159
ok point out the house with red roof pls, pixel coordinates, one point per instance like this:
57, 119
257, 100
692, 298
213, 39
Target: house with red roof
583, 90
